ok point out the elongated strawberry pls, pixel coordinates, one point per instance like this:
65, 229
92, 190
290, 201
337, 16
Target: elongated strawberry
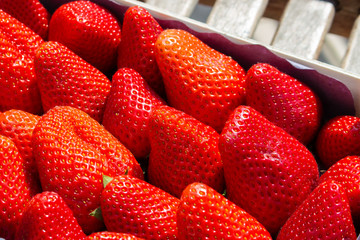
65, 79
128, 109
268, 173
198, 80
72, 152
284, 100
89, 30
325, 215
137, 47
48, 217
183, 151
131, 205
204, 213
112, 236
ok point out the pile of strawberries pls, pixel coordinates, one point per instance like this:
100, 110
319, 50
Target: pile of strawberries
127, 130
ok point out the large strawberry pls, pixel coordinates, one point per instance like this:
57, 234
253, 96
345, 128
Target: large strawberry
204, 213
284, 100
72, 152
112, 236
183, 150
198, 80
66, 79
268, 172
48, 217
324, 215
131, 205
128, 109
136, 50
338, 138
89, 30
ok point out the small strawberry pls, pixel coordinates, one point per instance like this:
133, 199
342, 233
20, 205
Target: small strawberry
131, 205
204, 213
128, 109
65, 79
137, 47
338, 138
198, 80
324, 215
89, 30
284, 100
183, 151
268, 172
112, 236
48, 217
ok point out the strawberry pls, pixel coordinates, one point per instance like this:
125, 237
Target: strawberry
128, 109
284, 100
131, 205
204, 213
268, 172
32, 13
65, 79
48, 217
325, 215
112, 236
14, 189
72, 152
137, 47
183, 151
338, 138
89, 30
198, 80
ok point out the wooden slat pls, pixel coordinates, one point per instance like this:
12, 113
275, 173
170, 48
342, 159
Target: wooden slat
179, 7
351, 61
237, 17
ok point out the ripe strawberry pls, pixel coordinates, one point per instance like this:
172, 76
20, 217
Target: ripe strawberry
131, 205
325, 215
14, 189
72, 152
338, 138
136, 49
30, 12
127, 110
268, 173
183, 151
284, 100
112, 236
65, 79
89, 30
199, 80
48, 217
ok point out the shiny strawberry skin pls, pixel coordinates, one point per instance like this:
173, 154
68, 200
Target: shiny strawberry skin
183, 151
268, 173
89, 30
137, 47
65, 79
284, 100
198, 80
48, 217
112, 236
324, 215
131, 205
128, 109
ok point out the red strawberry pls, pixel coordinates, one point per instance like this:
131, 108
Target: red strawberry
127, 110
14, 189
112, 236
204, 213
30, 12
338, 138
137, 47
65, 79
131, 205
284, 100
72, 152
183, 151
48, 217
89, 30
324, 215
198, 80
268, 173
